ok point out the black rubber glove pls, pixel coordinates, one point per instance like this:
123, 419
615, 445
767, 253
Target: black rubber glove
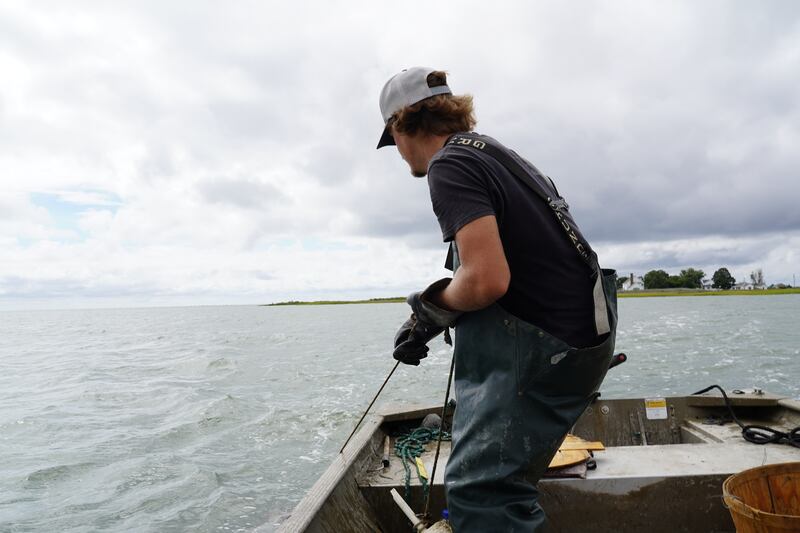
426, 322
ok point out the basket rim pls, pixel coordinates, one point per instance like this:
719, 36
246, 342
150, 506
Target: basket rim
735, 503
763, 470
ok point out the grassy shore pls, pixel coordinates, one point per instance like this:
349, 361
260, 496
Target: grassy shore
631, 294
393, 300
699, 292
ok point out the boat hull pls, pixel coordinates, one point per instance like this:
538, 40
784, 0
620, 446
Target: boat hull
662, 469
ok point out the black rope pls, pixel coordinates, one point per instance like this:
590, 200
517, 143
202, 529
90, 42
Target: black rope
759, 434
441, 429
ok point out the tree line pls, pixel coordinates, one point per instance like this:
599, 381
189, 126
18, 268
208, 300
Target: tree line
692, 278
689, 278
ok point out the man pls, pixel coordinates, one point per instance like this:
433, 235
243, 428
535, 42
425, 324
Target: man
534, 314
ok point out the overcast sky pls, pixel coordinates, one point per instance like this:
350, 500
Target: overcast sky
158, 153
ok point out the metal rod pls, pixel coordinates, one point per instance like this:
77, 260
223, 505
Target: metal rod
370, 406
439, 442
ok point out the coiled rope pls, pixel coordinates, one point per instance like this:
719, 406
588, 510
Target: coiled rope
759, 434
409, 446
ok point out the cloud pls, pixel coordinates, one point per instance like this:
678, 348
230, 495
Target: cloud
775, 253
240, 193
200, 149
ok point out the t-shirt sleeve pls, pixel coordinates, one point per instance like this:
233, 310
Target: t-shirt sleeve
459, 193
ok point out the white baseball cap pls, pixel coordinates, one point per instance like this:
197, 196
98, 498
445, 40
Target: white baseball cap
404, 89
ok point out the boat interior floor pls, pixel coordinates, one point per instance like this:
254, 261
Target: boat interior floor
664, 459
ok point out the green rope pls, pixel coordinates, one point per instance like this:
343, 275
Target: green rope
409, 446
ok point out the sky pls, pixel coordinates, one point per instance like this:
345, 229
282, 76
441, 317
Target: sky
202, 153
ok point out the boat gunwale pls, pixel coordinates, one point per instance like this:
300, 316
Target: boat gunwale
342, 466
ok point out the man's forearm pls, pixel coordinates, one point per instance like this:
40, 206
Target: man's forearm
471, 290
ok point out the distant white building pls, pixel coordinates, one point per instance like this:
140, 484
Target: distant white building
633, 283
748, 286
707, 285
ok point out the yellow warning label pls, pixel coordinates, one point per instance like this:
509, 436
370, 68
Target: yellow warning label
655, 408
421, 468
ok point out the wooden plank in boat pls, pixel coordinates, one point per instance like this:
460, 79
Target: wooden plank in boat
572, 442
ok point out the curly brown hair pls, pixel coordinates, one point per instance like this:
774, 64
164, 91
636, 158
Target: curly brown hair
438, 115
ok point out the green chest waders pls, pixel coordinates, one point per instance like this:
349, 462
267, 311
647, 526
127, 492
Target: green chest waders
519, 391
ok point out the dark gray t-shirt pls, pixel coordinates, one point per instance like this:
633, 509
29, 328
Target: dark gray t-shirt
551, 286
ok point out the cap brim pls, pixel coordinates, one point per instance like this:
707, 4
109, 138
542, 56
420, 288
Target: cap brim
386, 138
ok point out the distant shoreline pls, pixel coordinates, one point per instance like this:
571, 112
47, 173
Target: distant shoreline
656, 293
392, 300
659, 293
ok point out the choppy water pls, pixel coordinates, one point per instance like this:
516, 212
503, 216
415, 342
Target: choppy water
220, 418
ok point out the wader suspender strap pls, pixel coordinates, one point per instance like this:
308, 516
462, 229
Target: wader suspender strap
559, 207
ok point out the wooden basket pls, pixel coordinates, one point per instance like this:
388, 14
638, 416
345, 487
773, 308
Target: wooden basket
765, 499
